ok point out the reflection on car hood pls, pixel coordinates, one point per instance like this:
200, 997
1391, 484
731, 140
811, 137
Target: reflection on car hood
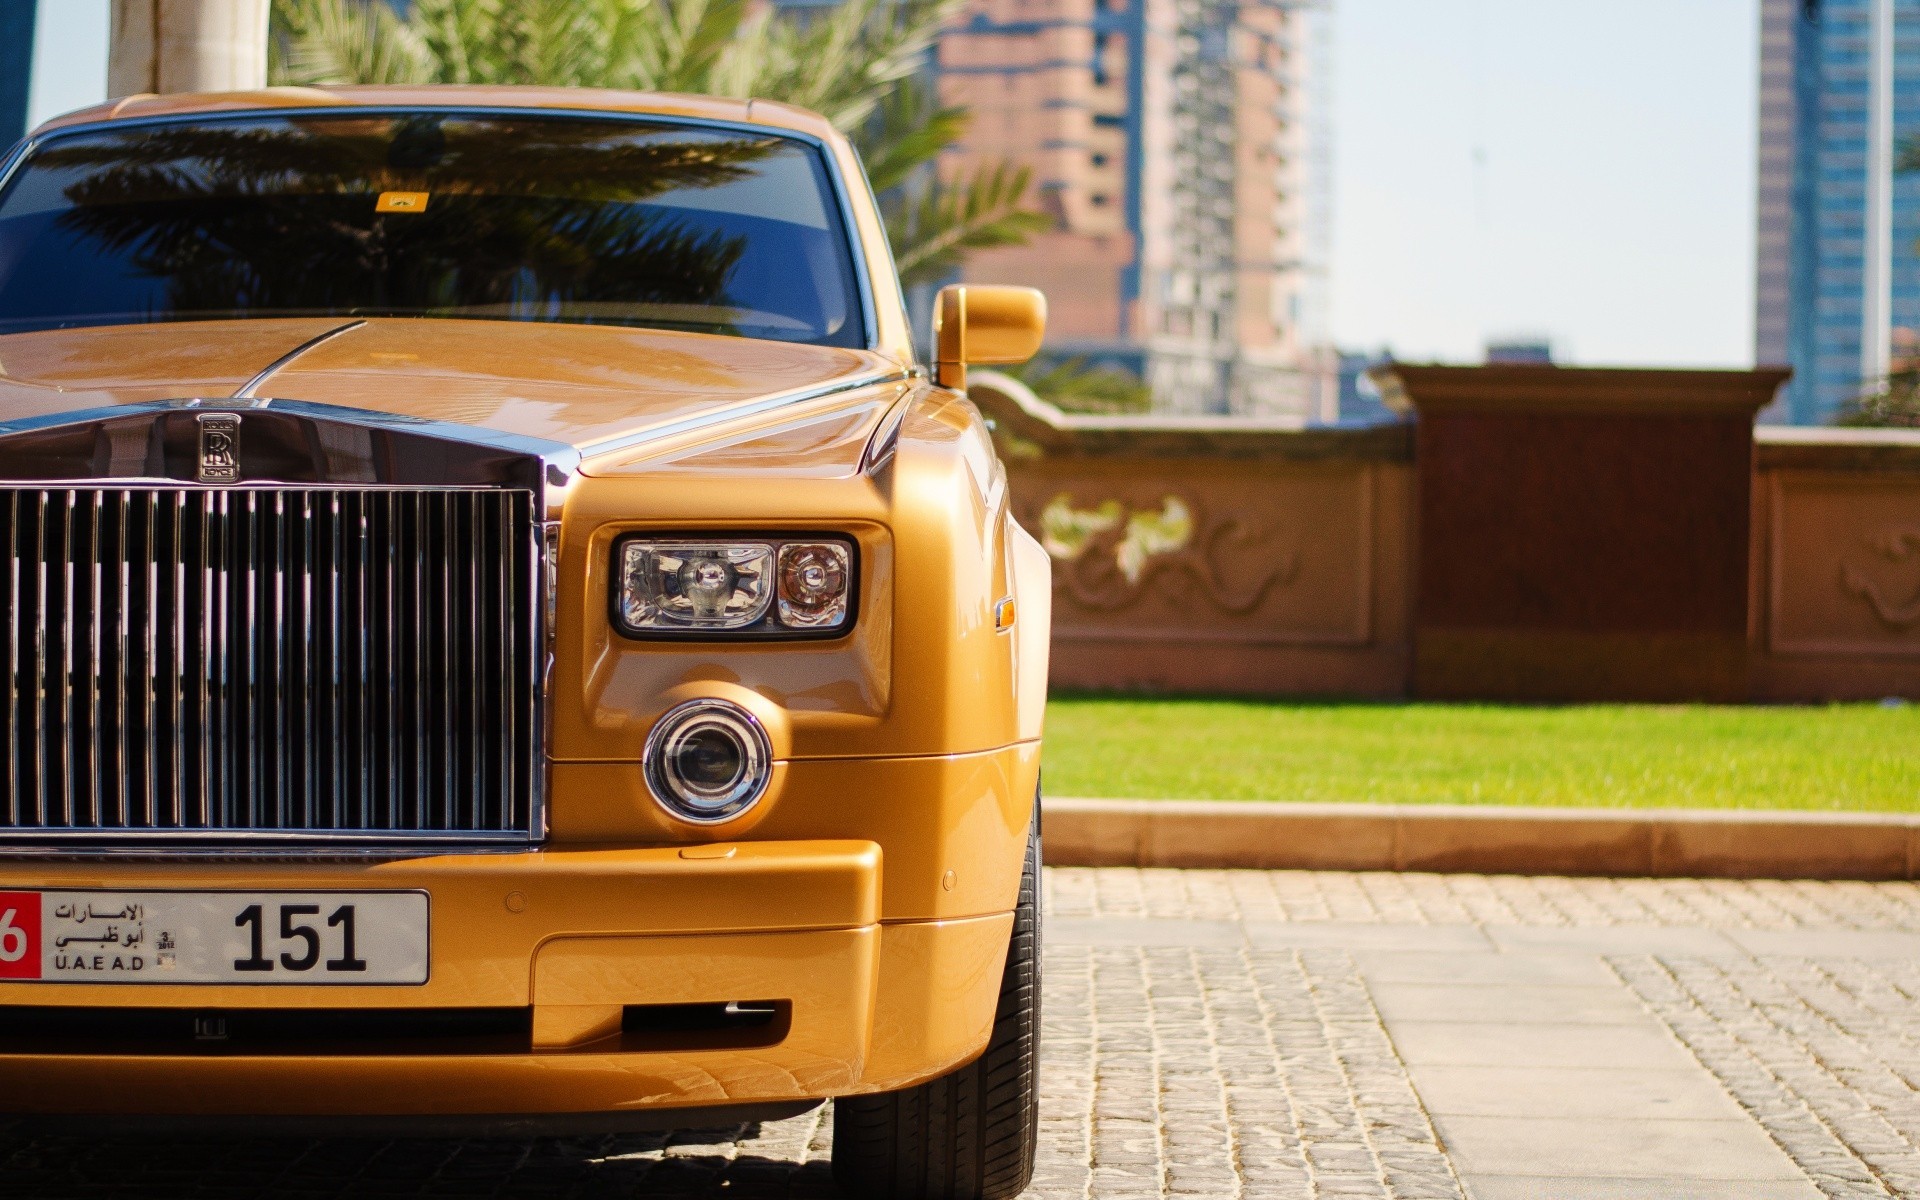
577, 384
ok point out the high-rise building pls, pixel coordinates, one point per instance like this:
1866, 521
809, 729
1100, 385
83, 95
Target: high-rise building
16, 67
1521, 349
1181, 148
1838, 285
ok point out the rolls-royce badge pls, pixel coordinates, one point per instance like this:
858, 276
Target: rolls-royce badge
219, 448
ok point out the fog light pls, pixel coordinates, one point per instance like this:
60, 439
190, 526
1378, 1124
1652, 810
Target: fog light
708, 761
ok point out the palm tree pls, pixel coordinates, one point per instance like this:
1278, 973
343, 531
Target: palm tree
855, 62
1077, 386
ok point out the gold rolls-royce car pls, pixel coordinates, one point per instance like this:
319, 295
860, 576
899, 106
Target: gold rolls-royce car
502, 632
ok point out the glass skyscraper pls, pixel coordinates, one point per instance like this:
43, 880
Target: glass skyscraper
1839, 273
16, 67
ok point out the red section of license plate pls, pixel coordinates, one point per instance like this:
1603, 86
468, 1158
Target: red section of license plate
20, 935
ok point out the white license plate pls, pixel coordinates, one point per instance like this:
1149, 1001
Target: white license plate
214, 937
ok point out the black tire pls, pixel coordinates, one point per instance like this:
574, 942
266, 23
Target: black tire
970, 1134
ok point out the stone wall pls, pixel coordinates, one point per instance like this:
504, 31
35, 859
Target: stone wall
1215, 555
1197, 555
1836, 564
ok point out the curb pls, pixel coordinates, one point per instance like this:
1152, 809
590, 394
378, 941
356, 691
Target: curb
1482, 840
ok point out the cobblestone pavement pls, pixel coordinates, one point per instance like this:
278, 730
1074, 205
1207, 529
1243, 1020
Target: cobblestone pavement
1320, 1034
1824, 1054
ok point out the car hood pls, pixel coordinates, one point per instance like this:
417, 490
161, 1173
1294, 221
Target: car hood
590, 387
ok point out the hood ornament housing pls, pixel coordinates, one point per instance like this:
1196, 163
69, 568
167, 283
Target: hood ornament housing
287, 443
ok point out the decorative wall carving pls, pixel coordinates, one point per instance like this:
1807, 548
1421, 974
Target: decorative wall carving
1844, 564
1184, 551
1107, 561
1896, 546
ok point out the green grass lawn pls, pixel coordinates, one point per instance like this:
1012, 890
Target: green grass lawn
1844, 756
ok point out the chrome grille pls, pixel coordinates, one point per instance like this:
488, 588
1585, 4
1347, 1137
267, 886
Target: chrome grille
317, 664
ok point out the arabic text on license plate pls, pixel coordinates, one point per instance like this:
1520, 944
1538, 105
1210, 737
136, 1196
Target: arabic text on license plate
214, 937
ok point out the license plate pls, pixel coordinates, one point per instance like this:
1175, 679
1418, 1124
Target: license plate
214, 937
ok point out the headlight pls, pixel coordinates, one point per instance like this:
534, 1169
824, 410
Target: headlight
708, 761
762, 587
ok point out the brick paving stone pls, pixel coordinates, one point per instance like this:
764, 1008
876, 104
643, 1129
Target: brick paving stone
1231, 1068
1825, 1055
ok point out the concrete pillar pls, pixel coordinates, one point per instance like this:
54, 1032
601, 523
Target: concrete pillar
187, 46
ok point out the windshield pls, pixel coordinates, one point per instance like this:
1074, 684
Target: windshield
431, 214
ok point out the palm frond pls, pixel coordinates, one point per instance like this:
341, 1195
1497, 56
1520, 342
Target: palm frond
690, 40
755, 58
907, 132
983, 210
455, 33
341, 41
857, 62
550, 42
1078, 386
845, 61
1894, 404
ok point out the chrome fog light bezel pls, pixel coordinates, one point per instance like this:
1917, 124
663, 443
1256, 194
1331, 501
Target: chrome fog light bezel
686, 802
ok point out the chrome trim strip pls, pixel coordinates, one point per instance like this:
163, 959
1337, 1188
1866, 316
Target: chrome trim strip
250, 389
151, 806
12, 617
542, 580
93, 656
134, 486
40, 654
13, 160
162, 839
66, 662
178, 810
211, 645
886, 435
357, 851
739, 412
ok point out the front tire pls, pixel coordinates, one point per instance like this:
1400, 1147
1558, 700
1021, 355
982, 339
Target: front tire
970, 1134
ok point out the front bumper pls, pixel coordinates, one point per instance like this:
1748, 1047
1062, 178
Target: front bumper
577, 938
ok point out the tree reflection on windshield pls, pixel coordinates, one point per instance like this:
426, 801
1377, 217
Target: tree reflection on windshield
527, 219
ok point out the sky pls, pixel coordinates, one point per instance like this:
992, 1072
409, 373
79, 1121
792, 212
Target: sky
1582, 169
69, 58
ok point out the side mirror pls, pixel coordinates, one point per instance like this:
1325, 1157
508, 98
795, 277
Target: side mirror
977, 323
